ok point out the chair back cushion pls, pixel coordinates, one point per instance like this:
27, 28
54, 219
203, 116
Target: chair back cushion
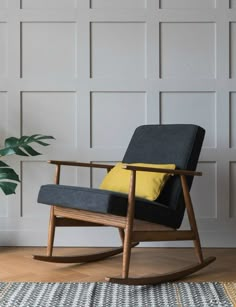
178, 144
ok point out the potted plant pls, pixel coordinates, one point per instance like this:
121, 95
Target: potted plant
22, 147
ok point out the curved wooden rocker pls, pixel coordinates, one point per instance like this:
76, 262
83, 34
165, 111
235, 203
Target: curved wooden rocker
81, 258
167, 277
141, 220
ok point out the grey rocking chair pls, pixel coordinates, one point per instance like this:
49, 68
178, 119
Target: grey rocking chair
137, 219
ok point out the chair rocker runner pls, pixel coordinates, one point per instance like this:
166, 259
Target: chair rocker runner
137, 218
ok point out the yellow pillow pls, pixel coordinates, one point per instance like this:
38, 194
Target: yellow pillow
148, 184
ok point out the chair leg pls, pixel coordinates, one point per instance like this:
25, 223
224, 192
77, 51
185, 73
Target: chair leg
126, 255
51, 232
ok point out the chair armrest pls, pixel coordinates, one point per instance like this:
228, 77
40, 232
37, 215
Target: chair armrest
81, 164
162, 170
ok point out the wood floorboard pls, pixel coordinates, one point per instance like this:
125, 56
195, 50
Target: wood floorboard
17, 264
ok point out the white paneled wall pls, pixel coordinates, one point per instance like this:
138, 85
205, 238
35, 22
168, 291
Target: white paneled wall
187, 4
89, 72
48, 4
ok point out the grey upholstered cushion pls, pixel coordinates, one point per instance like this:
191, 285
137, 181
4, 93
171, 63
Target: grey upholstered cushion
157, 144
103, 201
178, 144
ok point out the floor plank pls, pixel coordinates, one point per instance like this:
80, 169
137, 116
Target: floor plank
17, 264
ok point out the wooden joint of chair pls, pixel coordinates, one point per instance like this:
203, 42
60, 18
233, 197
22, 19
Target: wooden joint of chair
162, 170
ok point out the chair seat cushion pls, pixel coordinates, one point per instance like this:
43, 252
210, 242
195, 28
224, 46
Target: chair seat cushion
103, 201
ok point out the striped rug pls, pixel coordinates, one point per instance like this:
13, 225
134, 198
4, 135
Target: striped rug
111, 295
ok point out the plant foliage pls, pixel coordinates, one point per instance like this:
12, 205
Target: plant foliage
21, 147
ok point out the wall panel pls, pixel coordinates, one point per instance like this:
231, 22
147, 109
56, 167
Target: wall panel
232, 4
233, 120
118, 50
3, 115
89, 72
3, 4
108, 131
232, 212
182, 56
50, 113
46, 52
196, 108
233, 49
3, 49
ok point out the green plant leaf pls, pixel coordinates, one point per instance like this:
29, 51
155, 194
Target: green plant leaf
20, 146
6, 151
45, 137
2, 164
8, 188
37, 137
30, 150
42, 143
19, 152
10, 142
8, 173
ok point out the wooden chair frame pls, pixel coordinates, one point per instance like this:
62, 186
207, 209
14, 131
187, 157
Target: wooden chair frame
131, 231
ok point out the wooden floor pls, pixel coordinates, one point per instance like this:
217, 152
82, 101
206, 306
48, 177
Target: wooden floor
17, 264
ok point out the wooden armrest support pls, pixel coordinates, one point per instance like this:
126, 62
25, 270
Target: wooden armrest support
81, 164
162, 170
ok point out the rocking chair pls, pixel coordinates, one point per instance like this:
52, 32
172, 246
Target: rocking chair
138, 218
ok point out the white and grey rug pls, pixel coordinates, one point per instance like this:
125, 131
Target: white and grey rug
112, 295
